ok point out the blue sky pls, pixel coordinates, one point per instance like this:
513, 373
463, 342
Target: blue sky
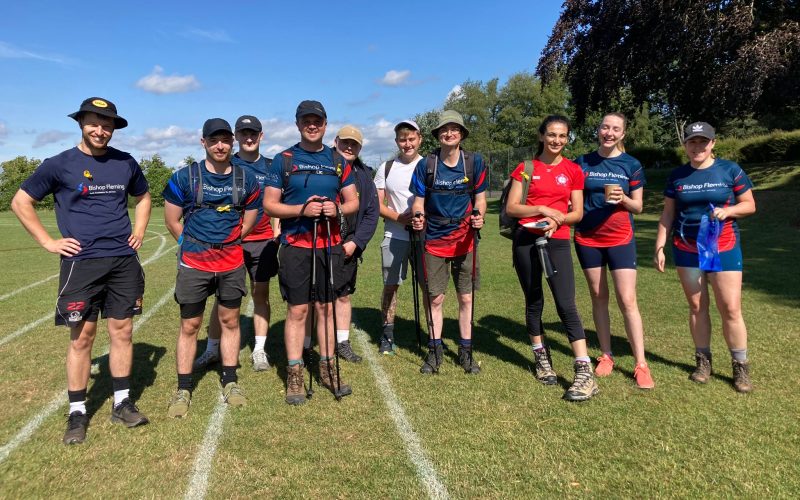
170, 65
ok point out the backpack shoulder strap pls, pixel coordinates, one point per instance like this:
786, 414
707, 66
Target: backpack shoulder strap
196, 181
430, 168
527, 174
238, 179
386, 168
469, 168
338, 164
286, 158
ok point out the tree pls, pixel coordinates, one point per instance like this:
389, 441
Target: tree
157, 174
427, 121
14, 172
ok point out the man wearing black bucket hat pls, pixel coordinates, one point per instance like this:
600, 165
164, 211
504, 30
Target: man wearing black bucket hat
100, 271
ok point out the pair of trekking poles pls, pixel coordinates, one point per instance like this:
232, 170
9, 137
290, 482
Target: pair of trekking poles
476, 235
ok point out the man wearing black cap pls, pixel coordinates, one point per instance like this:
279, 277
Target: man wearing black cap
218, 202
301, 189
100, 272
259, 247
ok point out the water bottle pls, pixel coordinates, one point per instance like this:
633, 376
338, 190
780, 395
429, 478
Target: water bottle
544, 257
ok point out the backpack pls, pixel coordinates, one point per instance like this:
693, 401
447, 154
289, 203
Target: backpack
508, 224
196, 185
338, 160
430, 171
387, 168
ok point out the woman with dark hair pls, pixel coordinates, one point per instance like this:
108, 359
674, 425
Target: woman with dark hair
698, 194
553, 203
613, 182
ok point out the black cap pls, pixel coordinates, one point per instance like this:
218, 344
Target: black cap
214, 125
248, 122
102, 107
310, 108
698, 129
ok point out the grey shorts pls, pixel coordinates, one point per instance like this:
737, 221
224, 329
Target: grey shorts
439, 269
260, 259
395, 256
193, 287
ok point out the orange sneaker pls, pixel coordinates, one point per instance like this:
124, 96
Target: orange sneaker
605, 364
642, 375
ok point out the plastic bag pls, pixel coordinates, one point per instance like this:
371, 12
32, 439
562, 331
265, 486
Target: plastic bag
708, 243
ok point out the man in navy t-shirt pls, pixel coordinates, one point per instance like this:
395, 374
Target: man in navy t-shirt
100, 271
301, 189
210, 257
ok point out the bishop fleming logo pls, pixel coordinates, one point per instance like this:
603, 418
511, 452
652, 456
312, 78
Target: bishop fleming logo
83, 189
561, 180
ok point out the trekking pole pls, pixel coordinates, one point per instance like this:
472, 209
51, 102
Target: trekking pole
312, 310
414, 284
476, 236
429, 312
331, 295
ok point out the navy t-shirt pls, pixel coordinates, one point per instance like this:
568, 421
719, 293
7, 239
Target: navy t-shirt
313, 173
208, 224
91, 198
258, 169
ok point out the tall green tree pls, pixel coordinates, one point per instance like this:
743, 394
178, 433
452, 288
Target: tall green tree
14, 172
157, 174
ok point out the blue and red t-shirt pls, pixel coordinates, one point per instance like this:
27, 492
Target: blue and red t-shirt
551, 186
694, 189
448, 232
211, 225
312, 173
605, 224
258, 169
91, 198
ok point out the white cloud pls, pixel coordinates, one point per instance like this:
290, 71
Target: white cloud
158, 83
212, 35
394, 78
455, 93
8, 51
51, 137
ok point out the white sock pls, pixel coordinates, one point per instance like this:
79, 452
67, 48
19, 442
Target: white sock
79, 406
585, 359
260, 342
536, 347
307, 342
342, 335
120, 396
212, 345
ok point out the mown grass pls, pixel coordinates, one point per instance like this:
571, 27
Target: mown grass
500, 434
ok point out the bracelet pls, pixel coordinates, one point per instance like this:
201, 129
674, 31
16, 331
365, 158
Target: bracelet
660, 249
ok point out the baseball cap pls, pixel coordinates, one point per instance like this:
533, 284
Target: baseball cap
248, 122
214, 125
350, 132
410, 123
450, 116
698, 129
310, 108
102, 107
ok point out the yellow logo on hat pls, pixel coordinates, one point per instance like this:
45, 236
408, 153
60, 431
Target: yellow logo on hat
100, 103
87, 174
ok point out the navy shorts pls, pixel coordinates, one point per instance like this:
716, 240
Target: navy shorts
731, 260
616, 257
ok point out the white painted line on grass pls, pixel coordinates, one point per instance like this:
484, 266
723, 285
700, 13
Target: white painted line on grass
27, 431
198, 484
416, 453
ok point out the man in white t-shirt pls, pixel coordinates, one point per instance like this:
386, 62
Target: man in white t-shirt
392, 181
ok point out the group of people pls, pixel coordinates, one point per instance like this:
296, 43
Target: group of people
307, 215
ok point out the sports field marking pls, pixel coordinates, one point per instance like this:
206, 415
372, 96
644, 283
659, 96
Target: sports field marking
33, 324
54, 276
416, 453
27, 431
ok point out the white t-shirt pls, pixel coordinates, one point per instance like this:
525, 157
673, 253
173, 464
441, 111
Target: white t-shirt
397, 192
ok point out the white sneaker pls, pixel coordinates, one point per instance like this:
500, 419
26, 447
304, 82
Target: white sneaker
205, 360
260, 362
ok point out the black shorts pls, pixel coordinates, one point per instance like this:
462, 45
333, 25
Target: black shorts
349, 275
616, 257
294, 274
193, 287
260, 259
113, 286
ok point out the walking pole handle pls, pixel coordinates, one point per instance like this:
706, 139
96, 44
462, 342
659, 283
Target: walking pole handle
475, 213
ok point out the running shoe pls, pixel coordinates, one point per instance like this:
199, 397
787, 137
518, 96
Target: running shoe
77, 423
205, 360
605, 364
179, 405
642, 376
260, 361
127, 414
233, 395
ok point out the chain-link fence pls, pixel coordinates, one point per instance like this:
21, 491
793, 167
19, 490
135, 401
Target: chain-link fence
501, 164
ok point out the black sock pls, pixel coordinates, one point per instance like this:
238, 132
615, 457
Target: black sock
76, 396
185, 382
229, 375
120, 383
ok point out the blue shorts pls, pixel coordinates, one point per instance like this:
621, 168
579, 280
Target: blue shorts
616, 257
731, 260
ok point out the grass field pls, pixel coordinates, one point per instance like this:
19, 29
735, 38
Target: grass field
403, 435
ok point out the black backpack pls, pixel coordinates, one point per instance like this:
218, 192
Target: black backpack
508, 224
287, 156
430, 172
196, 185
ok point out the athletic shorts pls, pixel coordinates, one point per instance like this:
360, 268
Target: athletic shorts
113, 286
616, 257
395, 256
193, 287
260, 259
731, 260
294, 274
438, 270
349, 275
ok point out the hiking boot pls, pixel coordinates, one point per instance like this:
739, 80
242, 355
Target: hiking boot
260, 361
605, 364
77, 423
233, 395
205, 360
467, 362
741, 376
127, 413
295, 385
642, 376
179, 405
433, 360
345, 351
702, 372
543, 367
330, 380
387, 346
584, 386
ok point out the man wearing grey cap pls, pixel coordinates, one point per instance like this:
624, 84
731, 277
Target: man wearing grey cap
218, 204
100, 271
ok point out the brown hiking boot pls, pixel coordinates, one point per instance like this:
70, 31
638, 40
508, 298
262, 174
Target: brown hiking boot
741, 376
330, 380
584, 386
543, 366
295, 388
702, 373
